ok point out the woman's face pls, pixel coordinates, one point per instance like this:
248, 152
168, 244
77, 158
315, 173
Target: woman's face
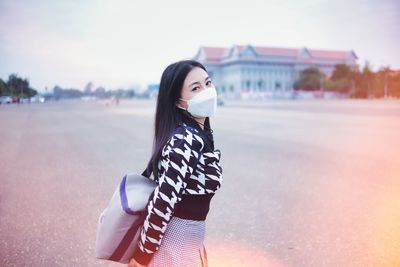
196, 81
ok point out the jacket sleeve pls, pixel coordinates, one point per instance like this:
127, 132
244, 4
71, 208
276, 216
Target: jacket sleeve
179, 159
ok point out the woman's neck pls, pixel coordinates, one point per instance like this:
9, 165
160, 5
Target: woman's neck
201, 122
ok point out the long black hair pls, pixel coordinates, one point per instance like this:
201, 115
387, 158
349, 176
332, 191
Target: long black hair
168, 115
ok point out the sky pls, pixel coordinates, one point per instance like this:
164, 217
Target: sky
128, 43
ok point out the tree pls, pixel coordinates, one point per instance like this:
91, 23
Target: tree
341, 71
394, 84
130, 93
19, 87
100, 92
382, 82
88, 88
364, 82
368, 78
310, 79
59, 92
341, 79
3, 88
358, 88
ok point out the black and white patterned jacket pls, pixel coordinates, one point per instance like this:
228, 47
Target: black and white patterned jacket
189, 175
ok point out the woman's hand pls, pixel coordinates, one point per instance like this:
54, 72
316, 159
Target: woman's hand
133, 263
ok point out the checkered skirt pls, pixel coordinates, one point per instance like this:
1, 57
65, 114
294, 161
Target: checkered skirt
182, 245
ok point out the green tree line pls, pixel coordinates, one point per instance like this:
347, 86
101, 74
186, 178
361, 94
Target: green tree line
364, 83
16, 87
99, 92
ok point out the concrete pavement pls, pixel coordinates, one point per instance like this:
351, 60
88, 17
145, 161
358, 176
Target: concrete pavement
306, 183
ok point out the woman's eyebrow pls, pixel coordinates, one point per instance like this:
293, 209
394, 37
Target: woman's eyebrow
193, 83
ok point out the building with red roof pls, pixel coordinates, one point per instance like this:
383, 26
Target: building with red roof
239, 70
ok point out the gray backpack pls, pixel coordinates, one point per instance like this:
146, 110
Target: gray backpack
120, 224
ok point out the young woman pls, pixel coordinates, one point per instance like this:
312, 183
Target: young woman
186, 167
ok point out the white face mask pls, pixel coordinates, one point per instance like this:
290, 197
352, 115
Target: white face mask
203, 104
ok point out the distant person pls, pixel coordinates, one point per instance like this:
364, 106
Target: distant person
186, 167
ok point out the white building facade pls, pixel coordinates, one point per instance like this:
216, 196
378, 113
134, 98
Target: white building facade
262, 72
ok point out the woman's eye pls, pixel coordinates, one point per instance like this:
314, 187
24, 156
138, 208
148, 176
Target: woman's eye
195, 88
208, 83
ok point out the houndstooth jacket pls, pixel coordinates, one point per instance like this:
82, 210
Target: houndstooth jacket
189, 173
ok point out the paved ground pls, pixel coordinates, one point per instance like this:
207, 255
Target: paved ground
307, 183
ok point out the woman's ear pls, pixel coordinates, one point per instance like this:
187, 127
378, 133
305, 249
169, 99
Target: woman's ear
181, 104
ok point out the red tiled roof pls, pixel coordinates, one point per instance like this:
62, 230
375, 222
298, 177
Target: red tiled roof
216, 54
329, 54
276, 51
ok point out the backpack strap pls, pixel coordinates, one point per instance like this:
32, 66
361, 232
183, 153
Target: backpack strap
147, 172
